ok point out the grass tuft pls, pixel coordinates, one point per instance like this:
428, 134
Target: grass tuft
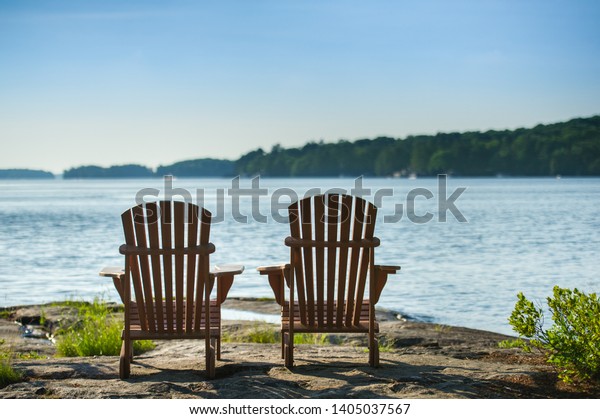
386, 345
511, 343
8, 374
96, 332
262, 332
312, 338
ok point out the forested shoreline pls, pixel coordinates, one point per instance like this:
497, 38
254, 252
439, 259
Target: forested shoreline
569, 148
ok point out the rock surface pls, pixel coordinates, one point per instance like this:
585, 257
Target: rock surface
421, 360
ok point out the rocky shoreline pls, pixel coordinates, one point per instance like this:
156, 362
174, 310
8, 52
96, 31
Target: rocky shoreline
420, 360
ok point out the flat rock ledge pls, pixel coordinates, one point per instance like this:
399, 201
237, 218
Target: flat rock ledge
421, 360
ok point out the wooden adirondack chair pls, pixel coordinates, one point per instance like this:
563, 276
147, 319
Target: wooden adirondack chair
332, 265
166, 285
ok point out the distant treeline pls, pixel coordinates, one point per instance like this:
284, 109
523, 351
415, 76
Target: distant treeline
568, 148
199, 168
189, 168
25, 174
124, 171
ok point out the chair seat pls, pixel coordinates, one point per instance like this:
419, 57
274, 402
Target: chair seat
325, 326
170, 330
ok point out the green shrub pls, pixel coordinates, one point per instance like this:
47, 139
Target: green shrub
572, 343
96, 332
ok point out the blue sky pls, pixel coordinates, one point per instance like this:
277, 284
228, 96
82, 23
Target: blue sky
154, 82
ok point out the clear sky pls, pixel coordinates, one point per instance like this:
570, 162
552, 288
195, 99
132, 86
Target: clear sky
154, 82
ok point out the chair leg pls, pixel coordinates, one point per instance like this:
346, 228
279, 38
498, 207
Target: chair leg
373, 351
210, 358
219, 347
289, 350
125, 359
219, 337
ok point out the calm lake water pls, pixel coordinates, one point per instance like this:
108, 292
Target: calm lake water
520, 235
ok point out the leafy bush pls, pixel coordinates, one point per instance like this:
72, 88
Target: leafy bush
572, 343
97, 332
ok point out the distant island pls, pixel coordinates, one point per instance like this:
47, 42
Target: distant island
123, 171
189, 168
569, 148
25, 174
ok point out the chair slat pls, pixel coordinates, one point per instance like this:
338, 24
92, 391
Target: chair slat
139, 225
332, 226
192, 240
370, 219
202, 282
345, 214
128, 230
152, 213
357, 231
136, 280
320, 256
166, 218
178, 221
205, 223
367, 254
298, 271
202, 271
306, 219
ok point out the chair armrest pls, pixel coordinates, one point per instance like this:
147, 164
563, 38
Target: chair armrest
118, 276
224, 275
390, 269
270, 269
225, 270
381, 274
112, 271
278, 276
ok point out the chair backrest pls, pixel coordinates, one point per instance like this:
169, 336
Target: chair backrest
332, 249
168, 271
